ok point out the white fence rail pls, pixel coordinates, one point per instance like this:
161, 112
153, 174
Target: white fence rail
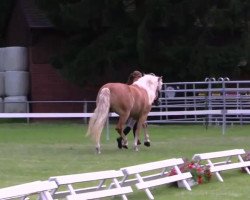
209, 102
203, 97
221, 113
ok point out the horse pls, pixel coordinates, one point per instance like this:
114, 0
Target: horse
127, 101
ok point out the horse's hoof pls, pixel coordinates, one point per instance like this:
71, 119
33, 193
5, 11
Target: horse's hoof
119, 142
147, 144
136, 149
138, 142
98, 151
125, 146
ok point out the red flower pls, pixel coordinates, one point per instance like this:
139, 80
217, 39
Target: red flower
199, 172
199, 180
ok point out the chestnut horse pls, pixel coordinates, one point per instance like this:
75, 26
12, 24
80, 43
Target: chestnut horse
133, 101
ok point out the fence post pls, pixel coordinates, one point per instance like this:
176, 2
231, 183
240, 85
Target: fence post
28, 111
224, 111
85, 110
210, 99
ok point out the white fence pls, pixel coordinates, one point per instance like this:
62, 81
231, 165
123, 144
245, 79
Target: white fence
209, 102
230, 98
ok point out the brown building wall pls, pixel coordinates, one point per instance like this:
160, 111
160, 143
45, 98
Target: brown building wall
46, 83
17, 29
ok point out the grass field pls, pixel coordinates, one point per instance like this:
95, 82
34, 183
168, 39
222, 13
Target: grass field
36, 151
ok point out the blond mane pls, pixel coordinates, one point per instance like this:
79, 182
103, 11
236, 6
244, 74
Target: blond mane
150, 83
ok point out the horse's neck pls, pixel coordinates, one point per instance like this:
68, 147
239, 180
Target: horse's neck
151, 91
151, 96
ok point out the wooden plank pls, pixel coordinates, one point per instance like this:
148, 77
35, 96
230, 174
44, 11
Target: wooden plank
45, 115
218, 154
98, 178
101, 193
230, 166
85, 177
87, 115
151, 166
165, 180
26, 189
63, 194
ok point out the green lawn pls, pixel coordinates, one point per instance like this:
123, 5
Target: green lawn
36, 151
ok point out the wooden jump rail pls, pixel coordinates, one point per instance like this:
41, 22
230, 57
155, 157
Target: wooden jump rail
217, 167
143, 182
39, 188
99, 190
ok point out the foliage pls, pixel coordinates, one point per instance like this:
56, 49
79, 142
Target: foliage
201, 174
5, 10
183, 40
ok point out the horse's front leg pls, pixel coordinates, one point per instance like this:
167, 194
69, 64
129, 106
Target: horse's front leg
146, 135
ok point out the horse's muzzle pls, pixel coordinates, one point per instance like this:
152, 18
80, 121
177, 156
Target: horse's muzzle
157, 102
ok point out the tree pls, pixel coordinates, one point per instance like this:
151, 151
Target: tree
179, 39
5, 9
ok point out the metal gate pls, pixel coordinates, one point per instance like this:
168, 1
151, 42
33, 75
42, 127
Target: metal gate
208, 95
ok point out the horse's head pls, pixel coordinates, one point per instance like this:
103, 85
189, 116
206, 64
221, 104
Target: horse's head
157, 101
160, 83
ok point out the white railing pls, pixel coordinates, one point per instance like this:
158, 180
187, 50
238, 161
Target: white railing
222, 113
209, 102
201, 96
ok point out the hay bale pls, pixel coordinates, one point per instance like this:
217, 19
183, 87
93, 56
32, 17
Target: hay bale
15, 59
15, 104
2, 93
2, 59
16, 83
1, 105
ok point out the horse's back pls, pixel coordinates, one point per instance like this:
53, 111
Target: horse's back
120, 97
117, 90
120, 92
127, 98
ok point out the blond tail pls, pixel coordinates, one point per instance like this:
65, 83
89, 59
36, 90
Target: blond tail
100, 115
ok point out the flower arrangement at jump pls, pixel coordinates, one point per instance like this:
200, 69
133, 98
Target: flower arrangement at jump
200, 173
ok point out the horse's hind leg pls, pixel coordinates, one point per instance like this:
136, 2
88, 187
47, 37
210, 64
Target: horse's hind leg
98, 148
98, 145
119, 129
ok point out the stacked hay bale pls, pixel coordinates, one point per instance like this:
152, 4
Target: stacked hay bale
16, 79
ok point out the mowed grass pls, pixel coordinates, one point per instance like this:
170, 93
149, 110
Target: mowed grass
37, 151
